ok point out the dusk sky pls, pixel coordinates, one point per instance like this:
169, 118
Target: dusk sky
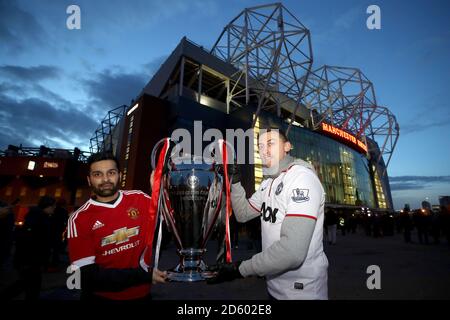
57, 84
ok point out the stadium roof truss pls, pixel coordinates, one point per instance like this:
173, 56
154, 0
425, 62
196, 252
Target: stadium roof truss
263, 57
102, 137
346, 98
272, 51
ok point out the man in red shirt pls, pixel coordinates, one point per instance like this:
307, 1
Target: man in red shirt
108, 237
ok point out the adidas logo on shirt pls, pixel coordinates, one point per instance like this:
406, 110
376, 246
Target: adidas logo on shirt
97, 225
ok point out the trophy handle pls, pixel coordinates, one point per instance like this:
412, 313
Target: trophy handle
155, 151
219, 150
167, 211
164, 202
215, 152
213, 222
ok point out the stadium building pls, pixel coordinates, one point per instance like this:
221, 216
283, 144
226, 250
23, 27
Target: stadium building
27, 173
260, 73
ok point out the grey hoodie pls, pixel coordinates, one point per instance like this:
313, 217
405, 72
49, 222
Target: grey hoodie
291, 250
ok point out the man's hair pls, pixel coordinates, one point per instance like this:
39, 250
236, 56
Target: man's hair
100, 156
281, 133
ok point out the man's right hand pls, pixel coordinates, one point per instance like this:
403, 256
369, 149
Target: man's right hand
234, 174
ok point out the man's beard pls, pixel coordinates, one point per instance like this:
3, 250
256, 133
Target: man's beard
268, 162
106, 192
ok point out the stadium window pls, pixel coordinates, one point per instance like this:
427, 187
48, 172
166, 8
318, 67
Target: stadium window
50, 164
42, 192
79, 193
23, 191
31, 165
132, 109
58, 192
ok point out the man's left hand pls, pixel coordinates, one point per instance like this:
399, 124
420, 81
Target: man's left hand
226, 272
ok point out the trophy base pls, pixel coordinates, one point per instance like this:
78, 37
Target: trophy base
191, 267
190, 276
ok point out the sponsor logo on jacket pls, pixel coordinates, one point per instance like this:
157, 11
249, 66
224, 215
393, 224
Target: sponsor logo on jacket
269, 214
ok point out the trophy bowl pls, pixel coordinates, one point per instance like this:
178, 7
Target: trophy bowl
192, 209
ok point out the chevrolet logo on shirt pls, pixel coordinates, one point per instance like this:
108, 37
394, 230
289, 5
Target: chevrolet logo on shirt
120, 236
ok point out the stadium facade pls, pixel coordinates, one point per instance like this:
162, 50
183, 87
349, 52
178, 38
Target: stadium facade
260, 73
27, 173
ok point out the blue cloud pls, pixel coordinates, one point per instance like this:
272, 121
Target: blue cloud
111, 89
415, 182
41, 122
30, 74
18, 28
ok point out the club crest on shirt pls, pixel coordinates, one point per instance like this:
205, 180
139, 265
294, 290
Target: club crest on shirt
279, 188
133, 213
300, 195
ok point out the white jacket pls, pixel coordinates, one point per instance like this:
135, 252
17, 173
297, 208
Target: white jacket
291, 206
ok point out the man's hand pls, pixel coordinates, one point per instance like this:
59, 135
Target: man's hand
226, 272
159, 276
234, 174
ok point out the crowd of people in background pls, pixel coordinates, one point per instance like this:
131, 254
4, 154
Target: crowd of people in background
430, 226
38, 244
34, 245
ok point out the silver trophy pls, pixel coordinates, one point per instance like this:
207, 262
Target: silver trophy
191, 204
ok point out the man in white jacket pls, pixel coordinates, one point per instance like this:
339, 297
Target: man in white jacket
290, 202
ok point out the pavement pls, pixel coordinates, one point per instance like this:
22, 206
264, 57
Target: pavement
408, 271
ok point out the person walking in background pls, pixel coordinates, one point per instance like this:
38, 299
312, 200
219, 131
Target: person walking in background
58, 221
406, 224
325, 226
332, 221
33, 247
6, 232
